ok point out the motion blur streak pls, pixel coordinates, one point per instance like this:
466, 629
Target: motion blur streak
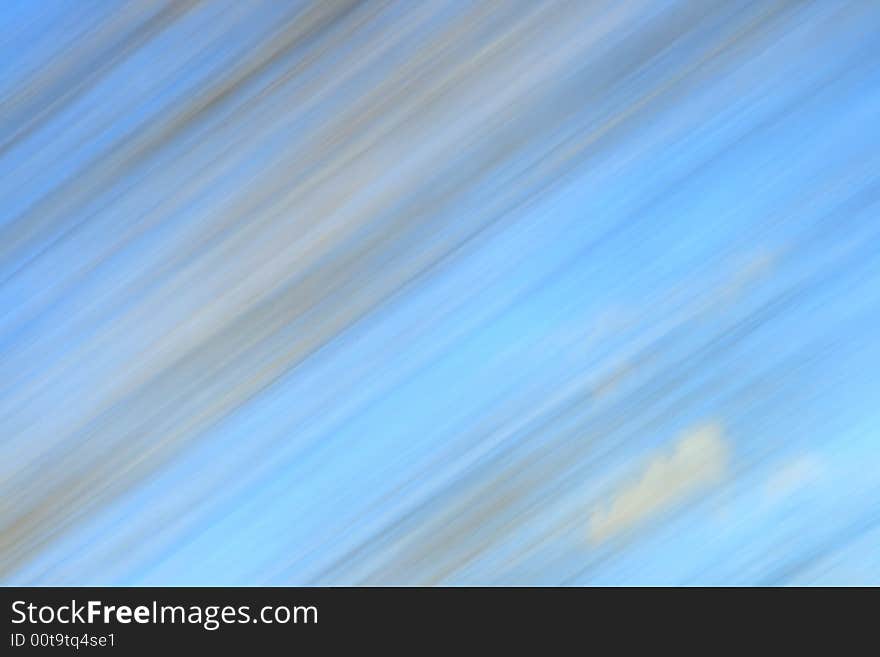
439, 292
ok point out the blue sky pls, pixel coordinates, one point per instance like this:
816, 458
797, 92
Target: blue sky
690, 240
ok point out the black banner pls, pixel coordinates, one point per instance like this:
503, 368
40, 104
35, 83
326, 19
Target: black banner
149, 620
127, 620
